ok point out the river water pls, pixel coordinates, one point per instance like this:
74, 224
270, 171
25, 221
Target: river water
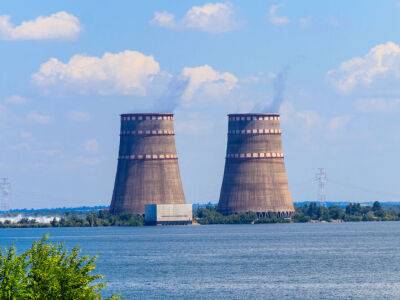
271, 261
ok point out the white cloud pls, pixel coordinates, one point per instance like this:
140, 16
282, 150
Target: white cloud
211, 17
15, 99
91, 145
381, 63
39, 118
61, 25
206, 79
375, 105
163, 19
123, 73
78, 116
274, 18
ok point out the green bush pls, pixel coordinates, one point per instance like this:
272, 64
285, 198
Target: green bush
48, 271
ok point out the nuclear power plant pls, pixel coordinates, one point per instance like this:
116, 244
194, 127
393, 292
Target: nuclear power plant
148, 170
255, 179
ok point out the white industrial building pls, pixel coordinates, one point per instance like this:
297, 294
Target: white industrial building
168, 214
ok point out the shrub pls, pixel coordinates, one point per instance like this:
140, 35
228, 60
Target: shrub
48, 271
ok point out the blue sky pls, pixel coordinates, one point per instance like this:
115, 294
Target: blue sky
69, 68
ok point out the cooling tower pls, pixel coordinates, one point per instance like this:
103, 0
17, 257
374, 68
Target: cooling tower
148, 171
255, 178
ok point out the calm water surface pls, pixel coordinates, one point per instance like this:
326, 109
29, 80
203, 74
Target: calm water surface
277, 261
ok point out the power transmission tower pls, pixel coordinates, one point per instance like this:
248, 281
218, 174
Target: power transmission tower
321, 179
5, 191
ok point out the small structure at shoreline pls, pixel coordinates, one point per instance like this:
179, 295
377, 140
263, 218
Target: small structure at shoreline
168, 214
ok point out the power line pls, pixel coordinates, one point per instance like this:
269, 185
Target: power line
5, 190
321, 179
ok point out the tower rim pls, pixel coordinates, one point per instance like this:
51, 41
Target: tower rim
146, 114
254, 115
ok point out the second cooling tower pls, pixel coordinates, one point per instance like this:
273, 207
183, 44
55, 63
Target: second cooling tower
255, 178
148, 171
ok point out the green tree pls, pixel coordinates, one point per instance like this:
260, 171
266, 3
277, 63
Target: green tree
354, 209
378, 210
48, 271
336, 212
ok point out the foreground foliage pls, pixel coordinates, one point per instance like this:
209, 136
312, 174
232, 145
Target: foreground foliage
48, 271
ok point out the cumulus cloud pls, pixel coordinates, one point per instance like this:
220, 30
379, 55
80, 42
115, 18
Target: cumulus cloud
91, 145
163, 19
131, 73
375, 105
38, 118
123, 73
381, 63
274, 18
61, 25
15, 99
211, 17
206, 79
78, 116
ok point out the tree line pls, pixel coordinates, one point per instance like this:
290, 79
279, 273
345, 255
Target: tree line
309, 212
90, 219
353, 212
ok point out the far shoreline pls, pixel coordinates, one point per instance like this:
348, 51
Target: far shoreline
312, 212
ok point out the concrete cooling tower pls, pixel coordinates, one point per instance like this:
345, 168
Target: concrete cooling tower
148, 171
255, 178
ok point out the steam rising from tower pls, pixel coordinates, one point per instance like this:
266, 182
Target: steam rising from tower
148, 170
279, 85
255, 178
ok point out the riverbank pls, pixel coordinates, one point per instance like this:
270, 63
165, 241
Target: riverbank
308, 213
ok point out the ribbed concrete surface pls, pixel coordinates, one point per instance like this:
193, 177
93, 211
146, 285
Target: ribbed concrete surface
148, 170
255, 178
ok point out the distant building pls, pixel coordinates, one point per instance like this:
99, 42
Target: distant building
168, 214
